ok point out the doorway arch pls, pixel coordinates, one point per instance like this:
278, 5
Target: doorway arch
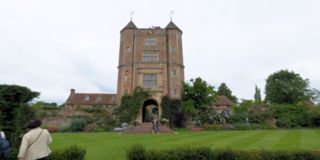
149, 107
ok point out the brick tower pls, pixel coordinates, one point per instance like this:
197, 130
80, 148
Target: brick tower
151, 58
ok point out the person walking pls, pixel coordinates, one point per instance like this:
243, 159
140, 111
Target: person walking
35, 143
155, 123
4, 146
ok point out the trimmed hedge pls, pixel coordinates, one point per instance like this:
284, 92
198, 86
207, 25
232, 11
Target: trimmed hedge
137, 152
71, 153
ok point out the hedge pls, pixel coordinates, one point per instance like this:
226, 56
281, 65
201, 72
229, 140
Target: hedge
137, 152
71, 153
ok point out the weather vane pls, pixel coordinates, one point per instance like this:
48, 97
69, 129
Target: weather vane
131, 15
171, 13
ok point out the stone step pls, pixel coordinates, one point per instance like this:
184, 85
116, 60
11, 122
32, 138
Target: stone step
147, 128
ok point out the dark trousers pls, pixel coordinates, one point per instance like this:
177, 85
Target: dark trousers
44, 158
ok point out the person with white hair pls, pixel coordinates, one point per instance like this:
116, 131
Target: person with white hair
2, 135
4, 146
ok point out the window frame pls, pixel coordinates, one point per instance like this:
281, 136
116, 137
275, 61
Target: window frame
150, 80
150, 56
150, 41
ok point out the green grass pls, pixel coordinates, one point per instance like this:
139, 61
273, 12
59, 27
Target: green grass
101, 146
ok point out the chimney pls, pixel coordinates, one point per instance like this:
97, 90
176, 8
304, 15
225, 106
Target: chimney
72, 91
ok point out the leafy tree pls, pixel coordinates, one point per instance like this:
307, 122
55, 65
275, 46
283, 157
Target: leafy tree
198, 93
284, 87
257, 95
224, 90
172, 110
131, 104
314, 95
15, 111
196, 99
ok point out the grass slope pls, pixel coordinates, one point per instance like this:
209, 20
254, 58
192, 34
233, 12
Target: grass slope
101, 146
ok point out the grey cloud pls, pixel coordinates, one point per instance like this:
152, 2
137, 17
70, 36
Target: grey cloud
52, 46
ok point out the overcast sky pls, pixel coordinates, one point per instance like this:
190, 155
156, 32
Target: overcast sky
53, 46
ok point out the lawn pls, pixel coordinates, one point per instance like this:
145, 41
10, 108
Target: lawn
102, 146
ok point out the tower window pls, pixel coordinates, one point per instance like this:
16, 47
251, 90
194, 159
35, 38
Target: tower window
150, 41
174, 73
172, 50
128, 50
150, 56
125, 78
150, 80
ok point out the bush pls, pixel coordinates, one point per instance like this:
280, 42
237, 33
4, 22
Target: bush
240, 114
53, 129
241, 126
262, 126
71, 153
314, 114
213, 127
78, 124
291, 116
137, 152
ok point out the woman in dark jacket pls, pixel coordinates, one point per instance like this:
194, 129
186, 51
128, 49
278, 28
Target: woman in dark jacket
4, 146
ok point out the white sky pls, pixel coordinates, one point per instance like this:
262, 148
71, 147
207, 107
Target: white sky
52, 46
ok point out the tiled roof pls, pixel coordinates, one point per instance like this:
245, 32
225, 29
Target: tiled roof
91, 99
130, 25
223, 101
171, 25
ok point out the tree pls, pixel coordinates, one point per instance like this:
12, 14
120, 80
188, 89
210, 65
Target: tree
223, 90
131, 104
257, 95
314, 95
196, 99
172, 110
198, 93
284, 87
15, 110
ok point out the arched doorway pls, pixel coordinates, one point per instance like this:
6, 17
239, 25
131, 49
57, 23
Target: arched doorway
150, 107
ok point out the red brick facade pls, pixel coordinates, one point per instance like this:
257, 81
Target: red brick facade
165, 61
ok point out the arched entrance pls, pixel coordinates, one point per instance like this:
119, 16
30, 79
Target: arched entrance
149, 107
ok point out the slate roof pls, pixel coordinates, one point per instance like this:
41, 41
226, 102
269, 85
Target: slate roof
91, 99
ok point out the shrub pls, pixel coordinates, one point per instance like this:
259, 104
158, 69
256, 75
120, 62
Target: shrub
212, 127
291, 116
137, 152
240, 114
314, 114
262, 126
53, 129
90, 127
241, 126
65, 127
78, 124
71, 153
